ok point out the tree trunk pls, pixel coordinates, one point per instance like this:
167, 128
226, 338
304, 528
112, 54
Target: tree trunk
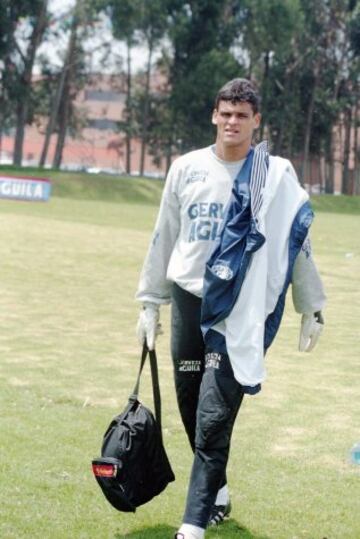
24, 99
168, 156
345, 184
265, 90
329, 165
52, 118
63, 122
280, 136
1, 136
129, 114
145, 116
59, 92
308, 127
64, 106
356, 148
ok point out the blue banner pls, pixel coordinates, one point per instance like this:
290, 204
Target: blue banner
25, 188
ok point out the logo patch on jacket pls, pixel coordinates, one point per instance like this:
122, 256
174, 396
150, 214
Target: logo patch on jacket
223, 272
197, 176
212, 359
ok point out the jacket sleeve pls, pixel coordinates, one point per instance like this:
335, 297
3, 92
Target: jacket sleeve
307, 287
153, 284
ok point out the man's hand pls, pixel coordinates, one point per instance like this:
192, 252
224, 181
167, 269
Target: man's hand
310, 331
148, 327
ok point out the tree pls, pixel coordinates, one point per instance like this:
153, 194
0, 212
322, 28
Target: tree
55, 103
39, 22
354, 45
159, 124
124, 17
337, 88
270, 31
201, 34
152, 25
69, 88
69, 81
16, 65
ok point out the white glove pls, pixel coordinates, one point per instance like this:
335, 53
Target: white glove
148, 327
310, 331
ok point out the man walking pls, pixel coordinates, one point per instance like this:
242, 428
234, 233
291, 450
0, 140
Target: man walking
231, 234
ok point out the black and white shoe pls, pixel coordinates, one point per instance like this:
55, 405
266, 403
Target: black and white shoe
179, 536
219, 513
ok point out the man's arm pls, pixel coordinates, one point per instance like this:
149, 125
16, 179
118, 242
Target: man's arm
153, 285
308, 297
154, 289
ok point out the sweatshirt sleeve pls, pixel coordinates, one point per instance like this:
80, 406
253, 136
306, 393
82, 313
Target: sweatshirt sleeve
153, 284
307, 288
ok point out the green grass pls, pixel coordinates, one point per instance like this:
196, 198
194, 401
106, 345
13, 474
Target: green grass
130, 189
336, 204
69, 359
80, 185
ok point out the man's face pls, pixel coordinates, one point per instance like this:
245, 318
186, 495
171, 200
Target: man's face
235, 123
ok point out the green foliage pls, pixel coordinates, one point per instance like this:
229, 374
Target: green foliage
355, 31
152, 20
271, 26
193, 100
304, 55
201, 34
12, 13
124, 18
300, 53
271, 32
160, 126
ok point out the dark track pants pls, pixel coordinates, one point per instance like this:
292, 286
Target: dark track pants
188, 354
209, 398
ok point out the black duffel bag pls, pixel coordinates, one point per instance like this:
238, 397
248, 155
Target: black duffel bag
134, 467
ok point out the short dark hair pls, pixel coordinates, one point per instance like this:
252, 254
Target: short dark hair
239, 91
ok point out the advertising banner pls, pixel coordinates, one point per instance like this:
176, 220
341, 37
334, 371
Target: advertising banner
25, 188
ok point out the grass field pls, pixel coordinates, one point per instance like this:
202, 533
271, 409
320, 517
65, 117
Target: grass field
69, 359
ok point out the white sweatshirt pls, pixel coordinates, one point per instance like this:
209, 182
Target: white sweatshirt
195, 196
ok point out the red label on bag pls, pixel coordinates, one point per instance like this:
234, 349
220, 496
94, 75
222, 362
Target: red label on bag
104, 470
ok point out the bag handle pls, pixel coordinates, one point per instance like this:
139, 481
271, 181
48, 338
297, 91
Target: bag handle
154, 379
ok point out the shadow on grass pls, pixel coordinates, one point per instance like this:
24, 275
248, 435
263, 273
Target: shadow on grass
229, 530
161, 531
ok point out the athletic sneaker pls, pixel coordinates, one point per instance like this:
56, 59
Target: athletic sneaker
179, 536
218, 514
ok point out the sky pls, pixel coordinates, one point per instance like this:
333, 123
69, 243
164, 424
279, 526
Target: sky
60, 6
54, 50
